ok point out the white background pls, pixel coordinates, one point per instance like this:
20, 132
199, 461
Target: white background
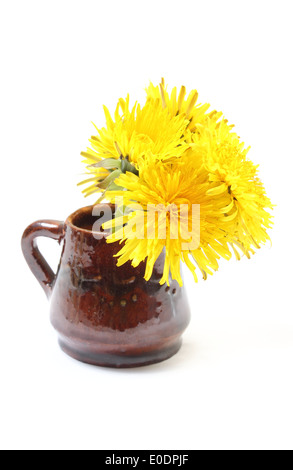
231, 386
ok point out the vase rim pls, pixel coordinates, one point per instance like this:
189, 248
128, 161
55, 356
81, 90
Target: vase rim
80, 216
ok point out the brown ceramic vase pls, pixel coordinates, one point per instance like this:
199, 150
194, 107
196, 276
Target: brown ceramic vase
105, 315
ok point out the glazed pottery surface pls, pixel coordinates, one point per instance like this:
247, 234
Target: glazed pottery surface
104, 314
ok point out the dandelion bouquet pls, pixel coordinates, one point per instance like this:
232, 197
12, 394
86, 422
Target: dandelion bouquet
181, 181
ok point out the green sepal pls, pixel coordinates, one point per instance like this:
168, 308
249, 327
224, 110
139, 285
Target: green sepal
108, 164
127, 166
110, 179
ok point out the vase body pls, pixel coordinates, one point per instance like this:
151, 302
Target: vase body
108, 315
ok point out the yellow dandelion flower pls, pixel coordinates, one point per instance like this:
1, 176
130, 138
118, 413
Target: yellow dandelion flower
162, 190
180, 103
132, 134
231, 171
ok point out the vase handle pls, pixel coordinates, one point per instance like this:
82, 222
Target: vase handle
40, 268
